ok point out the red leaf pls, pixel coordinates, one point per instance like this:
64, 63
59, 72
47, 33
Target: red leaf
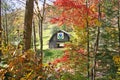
82, 51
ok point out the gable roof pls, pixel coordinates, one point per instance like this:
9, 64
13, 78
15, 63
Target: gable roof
57, 32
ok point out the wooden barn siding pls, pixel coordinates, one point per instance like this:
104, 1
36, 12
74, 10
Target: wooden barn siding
53, 41
52, 45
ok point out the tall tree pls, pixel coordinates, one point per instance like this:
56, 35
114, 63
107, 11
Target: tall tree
28, 24
40, 24
103, 54
88, 43
96, 46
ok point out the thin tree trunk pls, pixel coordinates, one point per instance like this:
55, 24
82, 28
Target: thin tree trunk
34, 36
87, 27
119, 24
41, 38
41, 42
96, 46
41, 18
6, 28
4, 33
4, 38
0, 32
28, 24
41, 30
95, 52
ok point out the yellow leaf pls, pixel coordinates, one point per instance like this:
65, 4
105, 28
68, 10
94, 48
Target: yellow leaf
116, 59
45, 65
29, 74
98, 23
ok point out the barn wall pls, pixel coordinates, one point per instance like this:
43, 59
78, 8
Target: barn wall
52, 44
53, 41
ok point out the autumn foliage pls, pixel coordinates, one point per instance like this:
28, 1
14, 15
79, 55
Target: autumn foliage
75, 12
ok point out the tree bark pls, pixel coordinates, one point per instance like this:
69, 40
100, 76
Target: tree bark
34, 36
6, 28
119, 25
0, 32
4, 37
88, 51
28, 24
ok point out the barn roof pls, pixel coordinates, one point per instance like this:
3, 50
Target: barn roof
59, 31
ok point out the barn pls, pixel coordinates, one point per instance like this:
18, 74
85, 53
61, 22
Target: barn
58, 39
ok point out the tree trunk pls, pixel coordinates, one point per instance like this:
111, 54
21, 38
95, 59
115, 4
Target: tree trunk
41, 39
4, 37
41, 18
0, 32
34, 36
88, 51
119, 25
6, 28
28, 24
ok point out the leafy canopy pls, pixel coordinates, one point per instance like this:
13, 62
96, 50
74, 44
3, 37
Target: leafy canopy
75, 12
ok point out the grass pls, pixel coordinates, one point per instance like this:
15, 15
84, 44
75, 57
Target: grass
51, 54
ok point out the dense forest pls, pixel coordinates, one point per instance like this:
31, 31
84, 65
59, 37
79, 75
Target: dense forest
60, 40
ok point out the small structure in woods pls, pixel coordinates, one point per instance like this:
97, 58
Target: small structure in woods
58, 39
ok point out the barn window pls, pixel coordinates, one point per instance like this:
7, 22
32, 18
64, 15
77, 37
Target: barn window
60, 45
